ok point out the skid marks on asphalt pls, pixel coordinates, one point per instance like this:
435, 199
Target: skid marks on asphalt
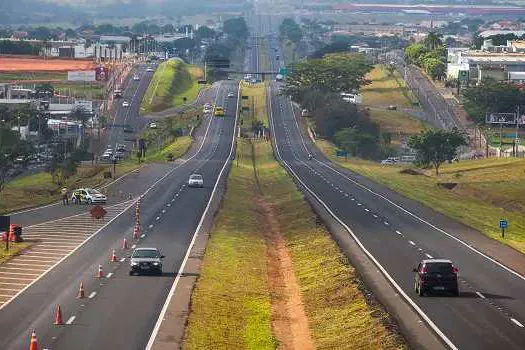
53, 241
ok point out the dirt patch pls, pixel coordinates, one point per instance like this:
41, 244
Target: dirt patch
447, 185
23, 64
289, 320
411, 171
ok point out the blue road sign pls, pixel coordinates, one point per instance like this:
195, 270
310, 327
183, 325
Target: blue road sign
341, 153
503, 224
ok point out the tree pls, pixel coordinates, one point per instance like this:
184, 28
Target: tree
492, 96
44, 90
204, 33
291, 30
435, 67
356, 142
333, 73
434, 147
414, 52
236, 28
433, 40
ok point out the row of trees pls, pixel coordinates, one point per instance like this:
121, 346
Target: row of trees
431, 55
316, 84
290, 30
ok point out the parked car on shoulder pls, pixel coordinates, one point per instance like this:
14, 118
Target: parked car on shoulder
88, 196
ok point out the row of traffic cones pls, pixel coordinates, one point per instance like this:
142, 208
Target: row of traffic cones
100, 274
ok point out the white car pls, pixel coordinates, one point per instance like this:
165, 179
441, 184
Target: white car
88, 196
149, 69
136, 77
153, 125
231, 94
125, 104
387, 162
196, 180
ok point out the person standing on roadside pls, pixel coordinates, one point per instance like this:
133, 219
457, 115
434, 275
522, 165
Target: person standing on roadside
65, 200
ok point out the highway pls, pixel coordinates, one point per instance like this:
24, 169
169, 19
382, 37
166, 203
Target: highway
120, 311
133, 91
397, 233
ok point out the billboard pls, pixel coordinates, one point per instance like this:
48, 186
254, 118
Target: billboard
501, 118
81, 75
101, 73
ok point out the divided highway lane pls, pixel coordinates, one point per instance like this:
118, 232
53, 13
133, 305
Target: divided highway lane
489, 314
133, 91
122, 309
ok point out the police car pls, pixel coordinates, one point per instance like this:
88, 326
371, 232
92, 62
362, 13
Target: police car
88, 196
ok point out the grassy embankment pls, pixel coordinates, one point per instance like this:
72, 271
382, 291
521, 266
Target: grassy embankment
38, 189
288, 49
173, 80
232, 302
487, 190
388, 90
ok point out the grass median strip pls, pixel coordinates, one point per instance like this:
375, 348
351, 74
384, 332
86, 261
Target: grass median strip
273, 277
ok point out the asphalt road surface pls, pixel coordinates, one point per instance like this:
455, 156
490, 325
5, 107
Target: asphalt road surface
398, 233
120, 311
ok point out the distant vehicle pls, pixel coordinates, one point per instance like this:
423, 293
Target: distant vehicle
125, 104
392, 107
196, 180
219, 112
136, 77
88, 196
148, 260
247, 77
128, 130
149, 69
152, 125
352, 98
229, 78
305, 113
207, 108
279, 77
277, 57
231, 94
117, 93
121, 148
254, 81
436, 275
387, 162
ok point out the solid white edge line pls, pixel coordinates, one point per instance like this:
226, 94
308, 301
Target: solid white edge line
133, 202
385, 273
92, 295
71, 320
518, 323
184, 261
429, 256
109, 275
481, 295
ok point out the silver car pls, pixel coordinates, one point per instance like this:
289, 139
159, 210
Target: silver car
196, 180
146, 260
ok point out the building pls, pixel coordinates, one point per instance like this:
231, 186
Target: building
501, 62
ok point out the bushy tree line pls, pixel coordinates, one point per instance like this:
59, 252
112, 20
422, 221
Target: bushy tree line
431, 55
290, 30
317, 85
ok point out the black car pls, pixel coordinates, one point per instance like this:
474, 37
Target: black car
436, 275
146, 260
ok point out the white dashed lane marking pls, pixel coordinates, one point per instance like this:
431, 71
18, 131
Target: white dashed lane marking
92, 295
412, 243
480, 295
429, 256
71, 320
516, 322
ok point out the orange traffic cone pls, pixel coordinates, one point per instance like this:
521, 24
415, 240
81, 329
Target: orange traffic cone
12, 236
58, 316
34, 341
100, 273
81, 293
136, 231
114, 256
125, 244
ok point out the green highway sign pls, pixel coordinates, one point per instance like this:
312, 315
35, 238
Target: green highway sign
284, 71
463, 75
